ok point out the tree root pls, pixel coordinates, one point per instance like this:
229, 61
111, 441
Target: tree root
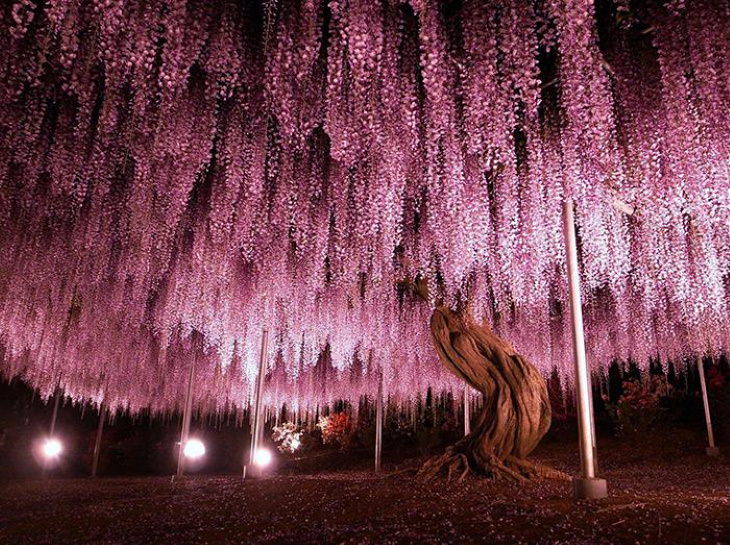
538, 470
456, 462
449, 462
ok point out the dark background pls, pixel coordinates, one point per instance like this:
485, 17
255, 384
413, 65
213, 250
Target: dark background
146, 444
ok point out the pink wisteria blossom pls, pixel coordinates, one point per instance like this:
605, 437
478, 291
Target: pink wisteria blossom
177, 175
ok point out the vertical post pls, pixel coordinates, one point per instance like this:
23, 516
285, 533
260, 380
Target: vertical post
594, 449
97, 442
258, 431
187, 416
54, 416
467, 412
379, 424
587, 485
711, 449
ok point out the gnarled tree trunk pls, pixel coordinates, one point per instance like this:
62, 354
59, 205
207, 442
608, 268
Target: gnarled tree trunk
516, 413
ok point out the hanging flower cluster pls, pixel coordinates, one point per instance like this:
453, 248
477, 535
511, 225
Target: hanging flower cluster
177, 175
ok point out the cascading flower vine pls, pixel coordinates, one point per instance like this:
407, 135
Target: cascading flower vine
176, 176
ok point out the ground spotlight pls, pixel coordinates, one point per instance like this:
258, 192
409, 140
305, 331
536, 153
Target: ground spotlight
262, 457
194, 448
51, 448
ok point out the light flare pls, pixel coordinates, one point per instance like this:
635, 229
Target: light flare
194, 449
262, 457
52, 448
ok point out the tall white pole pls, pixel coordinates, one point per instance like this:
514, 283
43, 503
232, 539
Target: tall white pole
712, 450
593, 426
97, 442
467, 412
258, 424
587, 485
54, 416
187, 416
379, 424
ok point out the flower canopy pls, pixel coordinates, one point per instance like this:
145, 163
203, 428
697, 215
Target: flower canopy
177, 175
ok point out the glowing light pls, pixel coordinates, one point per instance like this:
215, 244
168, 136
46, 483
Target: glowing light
295, 443
52, 448
262, 457
194, 448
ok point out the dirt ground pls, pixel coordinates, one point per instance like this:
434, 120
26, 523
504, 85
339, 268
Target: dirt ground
668, 493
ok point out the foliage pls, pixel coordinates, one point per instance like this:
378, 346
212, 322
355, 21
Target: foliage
436, 425
718, 386
639, 409
338, 429
398, 426
288, 437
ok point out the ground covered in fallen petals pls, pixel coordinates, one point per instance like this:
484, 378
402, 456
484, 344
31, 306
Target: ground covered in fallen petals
656, 496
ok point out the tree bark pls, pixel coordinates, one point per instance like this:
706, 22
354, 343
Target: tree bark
516, 412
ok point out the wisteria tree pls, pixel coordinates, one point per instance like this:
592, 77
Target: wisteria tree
516, 413
182, 165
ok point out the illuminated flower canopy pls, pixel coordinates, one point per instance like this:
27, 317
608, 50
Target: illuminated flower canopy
176, 175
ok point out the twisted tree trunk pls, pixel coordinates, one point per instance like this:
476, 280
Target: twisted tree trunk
516, 413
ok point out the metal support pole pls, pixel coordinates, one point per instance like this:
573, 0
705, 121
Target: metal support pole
467, 412
711, 449
258, 424
379, 424
594, 449
187, 417
54, 416
97, 442
587, 485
